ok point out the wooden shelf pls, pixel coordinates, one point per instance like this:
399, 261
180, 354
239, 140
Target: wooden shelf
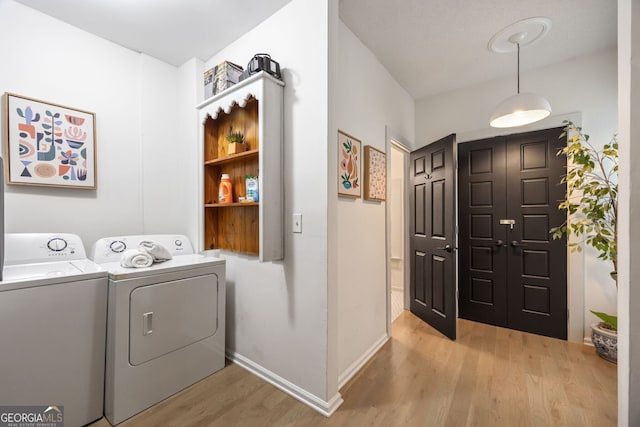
231, 205
232, 158
253, 107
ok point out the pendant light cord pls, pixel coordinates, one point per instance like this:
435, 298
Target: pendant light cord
518, 67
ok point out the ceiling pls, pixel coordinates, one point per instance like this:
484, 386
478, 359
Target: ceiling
429, 46
433, 46
171, 30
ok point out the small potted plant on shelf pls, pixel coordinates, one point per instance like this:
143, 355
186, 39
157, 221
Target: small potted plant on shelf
591, 204
236, 142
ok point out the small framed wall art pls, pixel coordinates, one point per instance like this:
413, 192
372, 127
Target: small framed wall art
49, 144
375, 174
349, 182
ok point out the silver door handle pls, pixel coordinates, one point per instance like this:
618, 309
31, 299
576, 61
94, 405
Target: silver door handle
447, 248
147, 321
509, 222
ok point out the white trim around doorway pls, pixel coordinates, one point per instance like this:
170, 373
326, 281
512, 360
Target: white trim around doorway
398, 141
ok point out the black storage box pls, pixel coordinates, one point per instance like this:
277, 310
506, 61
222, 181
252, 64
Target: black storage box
263, 62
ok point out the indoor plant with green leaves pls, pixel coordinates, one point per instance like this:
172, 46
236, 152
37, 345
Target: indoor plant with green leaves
591, 204
237, 143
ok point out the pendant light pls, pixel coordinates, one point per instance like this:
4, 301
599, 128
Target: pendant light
521, 108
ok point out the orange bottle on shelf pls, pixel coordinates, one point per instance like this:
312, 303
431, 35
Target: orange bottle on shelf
225, 191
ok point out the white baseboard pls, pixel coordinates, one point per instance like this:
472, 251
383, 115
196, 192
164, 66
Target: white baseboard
587, 341
362, 360
311, 400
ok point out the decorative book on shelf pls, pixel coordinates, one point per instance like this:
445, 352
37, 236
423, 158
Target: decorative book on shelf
253, 109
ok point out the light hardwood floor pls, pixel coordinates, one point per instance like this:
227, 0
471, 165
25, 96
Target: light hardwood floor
489, 377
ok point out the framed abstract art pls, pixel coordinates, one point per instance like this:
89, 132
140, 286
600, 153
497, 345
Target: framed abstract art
375, 174
48, 144
349, 180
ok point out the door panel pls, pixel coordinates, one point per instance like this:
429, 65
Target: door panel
432, 210
419, 269
538, 264
438, 209
438, 272
513, 276
168, 316
419, 218
483, 294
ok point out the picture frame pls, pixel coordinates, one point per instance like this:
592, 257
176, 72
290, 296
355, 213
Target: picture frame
375, 174
349, 176
48, 144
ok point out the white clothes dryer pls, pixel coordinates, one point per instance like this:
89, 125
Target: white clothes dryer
165, 323
53, 312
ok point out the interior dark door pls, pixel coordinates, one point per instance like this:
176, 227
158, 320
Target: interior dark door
432, 246
482, 239
537, 275
512, 273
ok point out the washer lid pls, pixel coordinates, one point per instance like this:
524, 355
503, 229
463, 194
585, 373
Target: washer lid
49, 273
178, 263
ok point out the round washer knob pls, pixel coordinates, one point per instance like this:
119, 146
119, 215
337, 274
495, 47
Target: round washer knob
57, 244
118, 246
178, 242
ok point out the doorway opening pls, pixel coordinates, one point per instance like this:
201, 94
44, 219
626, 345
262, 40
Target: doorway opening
512, 273
397, 226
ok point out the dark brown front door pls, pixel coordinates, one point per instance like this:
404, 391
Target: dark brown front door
512, 273
482, 240
433, 271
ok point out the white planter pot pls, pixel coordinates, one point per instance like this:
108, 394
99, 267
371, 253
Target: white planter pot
606, 342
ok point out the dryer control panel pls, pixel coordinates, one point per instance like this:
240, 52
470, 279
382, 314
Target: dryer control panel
110, 249
26, 248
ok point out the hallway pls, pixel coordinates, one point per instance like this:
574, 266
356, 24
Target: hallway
489, 377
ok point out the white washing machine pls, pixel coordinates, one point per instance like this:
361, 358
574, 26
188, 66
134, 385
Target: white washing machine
53, 311
165, 323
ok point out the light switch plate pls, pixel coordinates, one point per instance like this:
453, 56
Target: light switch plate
297, 223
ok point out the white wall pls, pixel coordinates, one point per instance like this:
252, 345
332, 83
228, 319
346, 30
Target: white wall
332, 218
277, 313
586, 85
368, 100
161, 163
629, 209
190, 93
47, 59
169, 145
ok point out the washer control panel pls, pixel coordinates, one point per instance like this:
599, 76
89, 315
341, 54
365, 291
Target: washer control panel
57, 244
110, 249
25, 248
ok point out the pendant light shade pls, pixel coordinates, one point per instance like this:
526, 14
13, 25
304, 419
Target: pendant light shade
520, 109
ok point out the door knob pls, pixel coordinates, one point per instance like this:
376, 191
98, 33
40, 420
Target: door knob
499, 242
516, 244
447, 248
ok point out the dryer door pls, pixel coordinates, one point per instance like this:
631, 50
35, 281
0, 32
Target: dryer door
168, 316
